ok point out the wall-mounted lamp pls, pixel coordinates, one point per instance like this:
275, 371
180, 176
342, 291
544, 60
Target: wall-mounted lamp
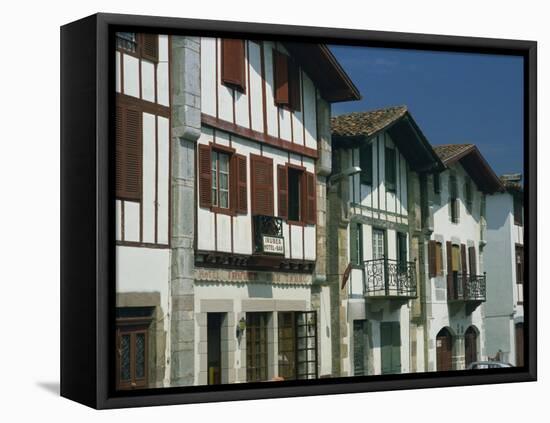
241, 327
334, 178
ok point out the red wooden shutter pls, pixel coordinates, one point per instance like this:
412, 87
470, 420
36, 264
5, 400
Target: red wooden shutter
262, 185
150, 47
120, 153
311, 199
450, 285
463, 259
431, 259
472, 259
240, 187
282, 191
294, 86
132, 154
280, 71
205, 176
233, 63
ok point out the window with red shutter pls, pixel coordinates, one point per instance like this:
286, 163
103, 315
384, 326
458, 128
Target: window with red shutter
472, 260
450, 278
205, 176
128, 152
261, 169
150, 47
282, 191
431, 259
280, 71
311, 199
294, 86
233, 63
240, 177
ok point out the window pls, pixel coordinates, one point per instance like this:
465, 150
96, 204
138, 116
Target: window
437, 183
435, 259
356, 243
519, 265
365, 163
518, 210
143, 45
287, 81
378, 244
233, 64
296, 194
454, 207
391, 173
222, 179
287, 345
131, 357
262, 185
482, 206
472, 260
129, 134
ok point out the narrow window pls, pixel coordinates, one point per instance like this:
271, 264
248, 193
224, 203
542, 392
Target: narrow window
132, 358
519, 264
126, 41
438, 259
220, 180
287, 81
143, 45
233, 64
391, 176
378, 244
262, 185
128, 121
365, 163
294, 194
256, 347
469, 195
453, 201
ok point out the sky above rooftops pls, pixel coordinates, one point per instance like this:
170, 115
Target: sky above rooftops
454, 97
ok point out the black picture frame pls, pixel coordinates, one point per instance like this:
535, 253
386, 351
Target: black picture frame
87, 249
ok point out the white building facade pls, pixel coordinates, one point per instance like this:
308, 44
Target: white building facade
456, 289
504, 262
373, 239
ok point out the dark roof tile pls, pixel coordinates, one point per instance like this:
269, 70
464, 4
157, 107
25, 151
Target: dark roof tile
366, 123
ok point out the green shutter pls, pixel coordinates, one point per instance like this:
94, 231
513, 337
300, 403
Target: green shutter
390, 169
356, 243
390, 339
365, 163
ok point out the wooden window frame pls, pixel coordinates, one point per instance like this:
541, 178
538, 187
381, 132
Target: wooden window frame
238, 83
304, 198
122, 192
140, 51
236, 205
292, 98
356, 237
435, 258
254, 158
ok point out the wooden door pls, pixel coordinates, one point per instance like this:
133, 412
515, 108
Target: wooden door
287, 344
306, 345
444, 350
519, 344
390, 339
214, 348
470, 345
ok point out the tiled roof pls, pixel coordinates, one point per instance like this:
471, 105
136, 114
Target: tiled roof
512, 185
366, 123
448, 152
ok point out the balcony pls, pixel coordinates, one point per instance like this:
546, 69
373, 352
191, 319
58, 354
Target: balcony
268, 235
389, 279
467, 288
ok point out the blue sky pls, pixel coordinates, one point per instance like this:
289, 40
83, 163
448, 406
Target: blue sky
454, 97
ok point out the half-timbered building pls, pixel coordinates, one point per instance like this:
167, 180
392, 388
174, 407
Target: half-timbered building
142, 227
374, 237
456, 288
260, 295
504, 262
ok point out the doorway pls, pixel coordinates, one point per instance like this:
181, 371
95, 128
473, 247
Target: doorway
519, 344
470, 345
444, 350
390, 339
214, 347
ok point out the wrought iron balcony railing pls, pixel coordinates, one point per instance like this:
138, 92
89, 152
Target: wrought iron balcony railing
468, 287
268, 235
387, 278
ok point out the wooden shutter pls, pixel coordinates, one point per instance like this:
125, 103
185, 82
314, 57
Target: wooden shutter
431, 259
240, 189
282, 191
205, 176
463, 259
150, 47
311, 199
390, 166
353, 250
438, 259
280, 72
129, 134
233, 63
294, 86
450, 285
262, 185
472, 260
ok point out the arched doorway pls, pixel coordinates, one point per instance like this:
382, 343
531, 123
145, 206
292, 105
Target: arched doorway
470, 345
444, 350
519, 344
